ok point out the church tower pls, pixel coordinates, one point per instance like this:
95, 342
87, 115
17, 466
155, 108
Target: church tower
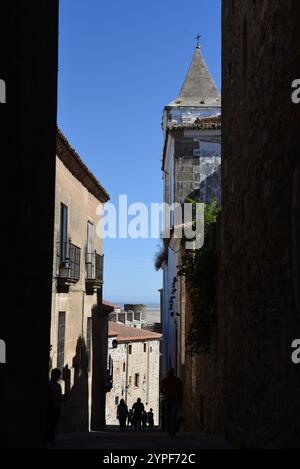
191, 165
198, 97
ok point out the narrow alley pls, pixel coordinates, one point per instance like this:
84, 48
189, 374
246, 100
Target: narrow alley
152, 218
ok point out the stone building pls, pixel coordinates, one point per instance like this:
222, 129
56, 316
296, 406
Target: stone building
131, 315
77, 287
137, 315
28, 51
191, 166
133, 366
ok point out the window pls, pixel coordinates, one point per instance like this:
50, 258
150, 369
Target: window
63, 232
145, 347
150, 349
117, 400
124, 367
61, 340
136, 380
130, 349
115, 343
89, 342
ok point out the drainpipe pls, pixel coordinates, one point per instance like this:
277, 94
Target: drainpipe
82, 314
126, 378
148, 369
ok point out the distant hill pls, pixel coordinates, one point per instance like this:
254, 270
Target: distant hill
153, 305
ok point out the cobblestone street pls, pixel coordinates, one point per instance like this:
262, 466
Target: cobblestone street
143, 440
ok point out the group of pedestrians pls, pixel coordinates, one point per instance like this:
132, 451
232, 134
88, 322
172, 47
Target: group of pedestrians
172, 392
137, 417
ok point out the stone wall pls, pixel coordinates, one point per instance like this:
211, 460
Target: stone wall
197, 170
248, 388
125, 366
118, 356
257, 317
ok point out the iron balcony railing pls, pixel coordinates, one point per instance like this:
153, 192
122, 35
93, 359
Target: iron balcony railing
69, 261
94, 267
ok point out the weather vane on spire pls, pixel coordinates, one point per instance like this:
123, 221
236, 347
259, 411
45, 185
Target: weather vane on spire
198, 37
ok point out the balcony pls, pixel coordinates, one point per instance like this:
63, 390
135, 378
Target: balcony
69, 264
94, 271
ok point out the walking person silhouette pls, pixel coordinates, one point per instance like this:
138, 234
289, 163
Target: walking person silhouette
137, 411
151, 420
130, 421
55, 399
122, 414
144, 420
172, 390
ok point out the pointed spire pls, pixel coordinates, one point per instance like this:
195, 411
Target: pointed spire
198, 89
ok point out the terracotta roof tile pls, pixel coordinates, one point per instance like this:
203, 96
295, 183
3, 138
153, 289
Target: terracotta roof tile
204, 123
108, 303
130, 334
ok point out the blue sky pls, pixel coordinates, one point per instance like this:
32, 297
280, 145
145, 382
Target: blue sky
120, 62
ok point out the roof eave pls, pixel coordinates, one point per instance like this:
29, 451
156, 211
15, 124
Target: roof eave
100, 193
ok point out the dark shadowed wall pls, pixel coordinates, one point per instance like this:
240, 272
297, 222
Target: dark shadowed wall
29, 35
258, 311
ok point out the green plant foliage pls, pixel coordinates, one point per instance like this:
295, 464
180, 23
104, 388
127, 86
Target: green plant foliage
199, 268
161, 256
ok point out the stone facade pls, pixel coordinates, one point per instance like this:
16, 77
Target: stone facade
75, 324
137, 316
197, 170
137, 353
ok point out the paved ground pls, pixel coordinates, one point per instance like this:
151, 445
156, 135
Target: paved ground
143, 440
